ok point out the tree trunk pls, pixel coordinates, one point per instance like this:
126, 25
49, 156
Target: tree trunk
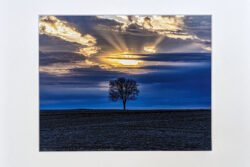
124, 105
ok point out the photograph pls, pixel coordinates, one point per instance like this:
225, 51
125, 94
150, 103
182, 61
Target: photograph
125, 82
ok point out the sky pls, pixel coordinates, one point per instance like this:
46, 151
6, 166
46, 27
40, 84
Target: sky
168, 56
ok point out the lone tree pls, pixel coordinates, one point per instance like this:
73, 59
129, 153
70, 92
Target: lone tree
123, 89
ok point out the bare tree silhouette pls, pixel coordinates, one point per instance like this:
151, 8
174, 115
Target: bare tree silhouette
123, 89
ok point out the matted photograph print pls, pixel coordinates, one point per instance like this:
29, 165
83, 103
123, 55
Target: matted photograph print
125, 82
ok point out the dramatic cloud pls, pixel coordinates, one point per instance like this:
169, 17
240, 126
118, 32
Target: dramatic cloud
169, 57
196, 29
52, 26
88, 51
115, 43
169, 26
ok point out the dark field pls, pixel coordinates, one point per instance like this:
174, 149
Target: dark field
92, 130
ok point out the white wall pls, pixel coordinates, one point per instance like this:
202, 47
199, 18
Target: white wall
19, 136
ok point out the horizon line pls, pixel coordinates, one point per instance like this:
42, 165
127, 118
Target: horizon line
58, 109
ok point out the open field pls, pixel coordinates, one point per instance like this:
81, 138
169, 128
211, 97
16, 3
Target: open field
92, 130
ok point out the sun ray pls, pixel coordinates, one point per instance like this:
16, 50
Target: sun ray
109, 38
119, 39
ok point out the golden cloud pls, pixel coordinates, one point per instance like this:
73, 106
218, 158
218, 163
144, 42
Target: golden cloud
150, 49
88, 51
164, 26
169, 26
207, 48
52, 26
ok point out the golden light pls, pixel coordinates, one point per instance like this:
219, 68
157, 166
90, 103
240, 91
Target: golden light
150, 49
88, 51
52, 26
122, 60
125, 62
207, 48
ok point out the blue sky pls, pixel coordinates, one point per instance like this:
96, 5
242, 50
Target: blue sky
169, 57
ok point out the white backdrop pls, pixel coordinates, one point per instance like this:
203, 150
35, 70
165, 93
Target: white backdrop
19, 137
